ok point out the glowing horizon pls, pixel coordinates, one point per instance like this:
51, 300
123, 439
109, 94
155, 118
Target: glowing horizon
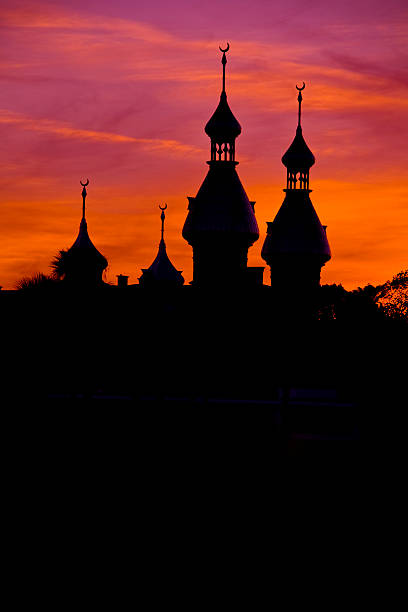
120, 95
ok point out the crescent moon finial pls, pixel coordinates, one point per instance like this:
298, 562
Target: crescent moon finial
225, 50
162, 217
301, 88
84, 184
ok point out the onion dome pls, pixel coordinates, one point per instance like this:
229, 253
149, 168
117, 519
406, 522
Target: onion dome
83, 262
223, 127
161, 272
298, 157
84, 245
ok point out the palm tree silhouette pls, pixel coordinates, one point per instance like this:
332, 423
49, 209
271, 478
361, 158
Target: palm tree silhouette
59, 265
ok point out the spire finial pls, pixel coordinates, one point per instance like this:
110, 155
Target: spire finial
162, 217
300, 89
84, 196
224, 61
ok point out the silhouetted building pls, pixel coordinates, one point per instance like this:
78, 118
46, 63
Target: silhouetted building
254, 276
296, 246
221, 223
122, 280
161, 273
83, 264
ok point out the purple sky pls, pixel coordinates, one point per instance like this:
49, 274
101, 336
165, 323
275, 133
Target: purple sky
121, 91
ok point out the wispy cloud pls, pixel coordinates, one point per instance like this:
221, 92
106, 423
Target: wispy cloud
68, 131
124, 50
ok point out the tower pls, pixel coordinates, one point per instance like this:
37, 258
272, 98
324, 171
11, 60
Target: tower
161, 273
221, 224
82, 265
296, 246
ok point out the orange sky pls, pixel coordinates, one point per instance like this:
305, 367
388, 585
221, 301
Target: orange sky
120, 93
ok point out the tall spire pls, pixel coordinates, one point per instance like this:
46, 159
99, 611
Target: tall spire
84, 194
224, 61
296, 245
221, 223
300, 89
84, 264
223, 128
161, 273
298, 159
162, 217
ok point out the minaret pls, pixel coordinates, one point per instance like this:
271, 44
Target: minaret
161, 273
83, 264
296, 245
221, 224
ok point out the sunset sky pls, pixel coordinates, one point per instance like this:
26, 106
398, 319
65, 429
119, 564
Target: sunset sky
119, 92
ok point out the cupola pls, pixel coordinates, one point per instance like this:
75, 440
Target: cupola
161, 273
222, 127
83, 263
298, 159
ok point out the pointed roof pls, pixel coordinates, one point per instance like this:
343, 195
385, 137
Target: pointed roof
162, 270
296, 229
298, 157
223, 126
83, 245
221, 205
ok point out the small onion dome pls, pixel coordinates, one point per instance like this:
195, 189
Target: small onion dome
223, 127
84, 244
83, 261
298, 157
162, 271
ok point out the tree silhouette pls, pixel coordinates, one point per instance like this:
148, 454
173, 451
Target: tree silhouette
393, 296
389, 301
330, 298
59, 265
85, 266
38, 281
